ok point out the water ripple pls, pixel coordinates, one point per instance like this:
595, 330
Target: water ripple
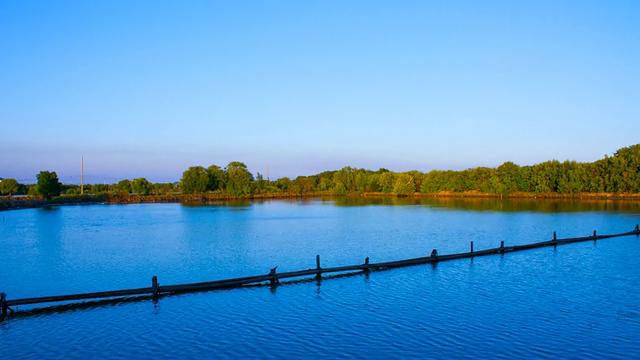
577, 301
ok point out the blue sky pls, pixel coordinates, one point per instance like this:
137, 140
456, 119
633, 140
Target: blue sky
149, 88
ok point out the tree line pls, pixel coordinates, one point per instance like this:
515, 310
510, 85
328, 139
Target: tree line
619, 173
48, 186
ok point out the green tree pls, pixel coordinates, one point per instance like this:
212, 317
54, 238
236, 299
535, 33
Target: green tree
527, 176
163, 188
303, 185
362, 181
344, 180
480, 179
259, 186
324, 184
622, 170
386, 181
240, 179
510, 178
417, 179
69, 189
141, 186
404, 185
100, 188
124, 186
75, 190
339, 189
48, 184
32, 190
436, 180
283, 184
429, 182
9, 186
217, 178
194, 180
23, 189
540, 178
373, 183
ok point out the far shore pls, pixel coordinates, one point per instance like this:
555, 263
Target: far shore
11, 203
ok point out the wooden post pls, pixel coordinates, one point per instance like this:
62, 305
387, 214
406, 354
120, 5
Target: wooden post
366, 262
554, 236
471, 246
155, 286
501, 244
3, 303
274, 278
434, 253
318, 268
637, 229
594, 234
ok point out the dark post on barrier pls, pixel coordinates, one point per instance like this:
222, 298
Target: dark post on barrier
155, 286
318, 268
471, 246
554, 236
3, 303
366, 262
274, 278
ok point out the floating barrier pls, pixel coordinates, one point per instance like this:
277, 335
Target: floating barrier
273, 277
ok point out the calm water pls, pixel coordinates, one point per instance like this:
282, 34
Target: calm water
577, 301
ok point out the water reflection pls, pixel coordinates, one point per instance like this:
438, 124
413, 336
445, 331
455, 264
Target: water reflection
236, 203
458, 203
509, 305
49, 225
502, 205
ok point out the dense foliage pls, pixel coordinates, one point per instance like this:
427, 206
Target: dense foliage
235, 180
48, 184
619, 174
9, 186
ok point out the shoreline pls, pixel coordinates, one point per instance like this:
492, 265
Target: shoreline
8, 203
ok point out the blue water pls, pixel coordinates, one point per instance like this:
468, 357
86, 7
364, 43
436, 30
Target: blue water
575, 301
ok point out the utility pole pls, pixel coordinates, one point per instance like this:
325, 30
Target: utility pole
81, 175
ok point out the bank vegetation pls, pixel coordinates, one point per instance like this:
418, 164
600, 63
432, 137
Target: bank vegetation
616, 176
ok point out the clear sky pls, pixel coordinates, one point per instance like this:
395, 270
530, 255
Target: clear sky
149, 88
